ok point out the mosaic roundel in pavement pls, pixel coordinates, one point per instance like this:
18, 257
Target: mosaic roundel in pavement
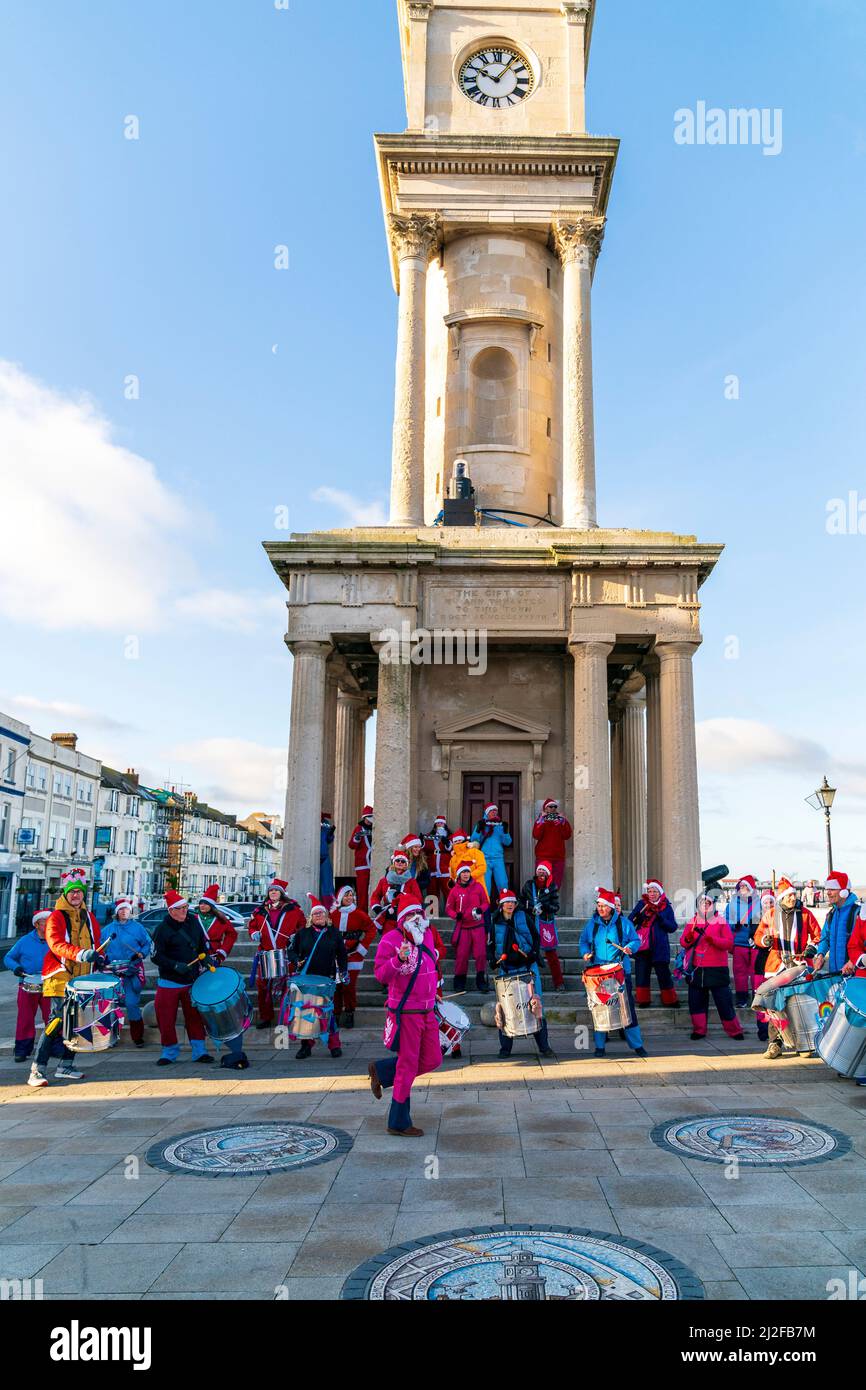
756, 1141
530, 1264
251, 1150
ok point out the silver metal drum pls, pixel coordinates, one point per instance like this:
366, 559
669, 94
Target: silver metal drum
93, 1013
513, 994
273, 965
805, 1007
842, 1044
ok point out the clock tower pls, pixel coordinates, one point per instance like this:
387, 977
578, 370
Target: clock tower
538, 653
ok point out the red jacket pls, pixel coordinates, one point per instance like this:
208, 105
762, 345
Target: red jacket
715, 941
361, 845
462, 902
383, 894
221, 935
857, 945
61, 951
769, 935
438, 856
551, 837
359, 933
273, 928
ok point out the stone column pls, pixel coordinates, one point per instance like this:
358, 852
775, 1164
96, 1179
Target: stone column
578, 243
681, 838
593, 853
655, 867
304, 791
633, 823
393, 755
414, 239
329, 741
577, 13
615, 794
350, 751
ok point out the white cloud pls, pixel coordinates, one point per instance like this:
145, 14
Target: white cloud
232, 774
244, 611
355, 512
90, 533
732, 746
32, 707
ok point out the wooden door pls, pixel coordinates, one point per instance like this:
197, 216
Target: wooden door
502, 789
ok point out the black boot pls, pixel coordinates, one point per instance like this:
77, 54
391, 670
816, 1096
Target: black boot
459, 984
481, 983
347, 1018
305, 1050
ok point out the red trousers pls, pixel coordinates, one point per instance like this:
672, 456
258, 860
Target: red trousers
554, 965
346, 996
28, 1007
441, 887
471, 943
362, 888
166, 1005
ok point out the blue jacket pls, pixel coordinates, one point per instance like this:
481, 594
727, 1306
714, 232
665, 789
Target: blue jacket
130, 939
664, 925
742, 918
602, 938
28, 954
526, 938
493, 844
838, 926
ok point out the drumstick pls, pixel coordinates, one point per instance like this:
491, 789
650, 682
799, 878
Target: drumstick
203, 956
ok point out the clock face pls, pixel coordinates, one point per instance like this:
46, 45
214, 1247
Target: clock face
497, 77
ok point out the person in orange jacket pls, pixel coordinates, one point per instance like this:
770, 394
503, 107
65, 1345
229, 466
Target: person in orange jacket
463, 851
73, 937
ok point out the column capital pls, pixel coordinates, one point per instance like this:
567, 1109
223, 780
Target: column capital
676, 650
309, 647
416, 237
422, 9
577, 11
597, 644
577, 240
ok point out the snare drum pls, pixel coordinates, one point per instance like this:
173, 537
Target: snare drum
607, 997
32, 984
273, 965
842, 1044
308, 1007
221, 998
453, 1023
93, 1013
514, 994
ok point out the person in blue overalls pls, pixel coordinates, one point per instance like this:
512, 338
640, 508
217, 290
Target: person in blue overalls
517, 949
492, 838
611, 939
131, 944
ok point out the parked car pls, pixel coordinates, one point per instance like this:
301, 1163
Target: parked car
151, 919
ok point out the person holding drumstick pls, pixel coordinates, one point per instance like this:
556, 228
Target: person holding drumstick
27, 958
517, 951
73, 937
609, 938
320, 949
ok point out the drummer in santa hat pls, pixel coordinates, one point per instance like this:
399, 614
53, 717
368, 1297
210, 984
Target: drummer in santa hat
319, 949
73, 936
27, 957
540, 897
361, 845
437, 852
358, 931
654, 920
608, 938
272, 927
742, 914
839, 923
551, 833
178, 949
220, 933
406, 964
790, 933
130, 945
517, 951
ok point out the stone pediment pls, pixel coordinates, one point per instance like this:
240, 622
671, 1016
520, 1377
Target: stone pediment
491, 725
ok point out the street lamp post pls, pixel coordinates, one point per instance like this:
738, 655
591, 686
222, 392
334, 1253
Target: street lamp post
826, 795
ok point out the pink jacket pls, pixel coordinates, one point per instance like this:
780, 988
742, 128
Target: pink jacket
396, 974
714, 945
461, 902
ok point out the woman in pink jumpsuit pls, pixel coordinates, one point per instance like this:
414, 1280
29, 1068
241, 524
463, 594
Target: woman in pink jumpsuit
406, 965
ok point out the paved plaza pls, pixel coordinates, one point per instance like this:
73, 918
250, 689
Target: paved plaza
566, 1143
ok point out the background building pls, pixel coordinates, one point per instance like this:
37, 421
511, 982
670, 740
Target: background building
61, 797
14, 745
125, 838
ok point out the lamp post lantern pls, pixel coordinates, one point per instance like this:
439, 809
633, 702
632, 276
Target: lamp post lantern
826, 795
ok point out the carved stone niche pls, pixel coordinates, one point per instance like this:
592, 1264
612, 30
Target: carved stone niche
459, 738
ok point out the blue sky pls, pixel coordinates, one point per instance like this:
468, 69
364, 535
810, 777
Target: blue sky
136, 523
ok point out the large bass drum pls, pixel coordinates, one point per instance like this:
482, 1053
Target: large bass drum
221, 998
607, 997
842, 1044
514, 996
93, 1013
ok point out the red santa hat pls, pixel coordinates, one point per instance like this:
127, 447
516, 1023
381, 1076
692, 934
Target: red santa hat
551, 804
783, 888
839, 882
767, 896
491, 810
173, 899
281, 886
459, 836
124, 902
211, 894
367, 811
653, 883
412, 841
605, 897
400, 853
749, 881
440, 820
544, 868
346, 888
408, 906
464, 868
316, 903
507, 896
40, 916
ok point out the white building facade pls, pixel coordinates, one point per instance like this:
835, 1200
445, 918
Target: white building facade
58, 820
14, 747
